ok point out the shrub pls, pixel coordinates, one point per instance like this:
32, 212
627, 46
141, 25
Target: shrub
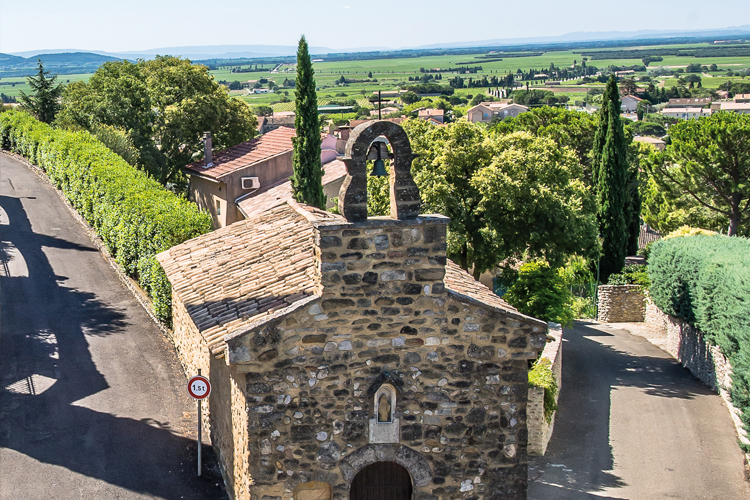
689, 231
635, 274
133, 214
705, 280
541, 292
541, 375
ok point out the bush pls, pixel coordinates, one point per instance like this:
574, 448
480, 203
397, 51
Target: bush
541, 292
689, 231
541, 375
634, 274
705, 280
133, 214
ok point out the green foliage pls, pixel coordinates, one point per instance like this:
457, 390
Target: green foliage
409, 97
567, 128
708, 165
43, 103
636, 274
540, 375
507, 196
262, 110
645, 128
134, 215
613, 177
118, 140
705, 280
165, 104
541, 292
532, 195
307, 179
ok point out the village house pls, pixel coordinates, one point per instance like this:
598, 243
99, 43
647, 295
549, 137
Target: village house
630, 103
691, 102
732, 106
228, 183
348, 355
658, 144
484, 112
685, 113
279, 119
431, 114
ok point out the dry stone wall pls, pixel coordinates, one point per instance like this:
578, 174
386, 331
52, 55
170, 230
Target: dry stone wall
621, 304
690, 347
540, 431
385, 317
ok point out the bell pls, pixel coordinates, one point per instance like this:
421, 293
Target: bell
378, 170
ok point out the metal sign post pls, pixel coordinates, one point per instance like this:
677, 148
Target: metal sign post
199, 388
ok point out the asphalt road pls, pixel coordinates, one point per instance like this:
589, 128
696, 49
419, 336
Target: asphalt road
634, 424
93, 401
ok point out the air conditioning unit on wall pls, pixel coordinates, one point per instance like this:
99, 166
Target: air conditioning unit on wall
250, 183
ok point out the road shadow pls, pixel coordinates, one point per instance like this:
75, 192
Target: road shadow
579, 459
46, 367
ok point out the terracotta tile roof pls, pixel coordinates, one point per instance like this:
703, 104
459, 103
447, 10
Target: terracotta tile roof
241, 276
247, 153
462, 286
236, 274
281, 193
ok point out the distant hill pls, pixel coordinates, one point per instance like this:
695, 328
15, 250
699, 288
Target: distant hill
61, 63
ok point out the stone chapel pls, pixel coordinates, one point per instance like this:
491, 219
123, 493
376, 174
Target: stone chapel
349, 358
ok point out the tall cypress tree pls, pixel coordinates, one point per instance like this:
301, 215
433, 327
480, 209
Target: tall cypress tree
307, 179
613, 183
43, 103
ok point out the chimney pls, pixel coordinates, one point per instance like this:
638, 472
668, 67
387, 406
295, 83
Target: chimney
207, 150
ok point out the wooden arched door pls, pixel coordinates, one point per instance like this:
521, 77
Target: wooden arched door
381, 481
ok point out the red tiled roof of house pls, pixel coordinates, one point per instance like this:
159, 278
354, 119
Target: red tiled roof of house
247, 153
281, 193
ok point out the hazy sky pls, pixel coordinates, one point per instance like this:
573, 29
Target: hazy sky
145, 24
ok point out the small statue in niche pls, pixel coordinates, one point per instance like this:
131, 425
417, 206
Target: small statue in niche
384, 408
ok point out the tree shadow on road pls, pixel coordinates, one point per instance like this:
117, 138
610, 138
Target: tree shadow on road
46, 368
579, 459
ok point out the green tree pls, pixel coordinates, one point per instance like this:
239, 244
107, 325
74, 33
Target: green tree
542, 292
507, 197
629, 87
409, 97
43, 101
613, 179
307, 179
534, 202
567, 128
263, 110
708, 160
166, 105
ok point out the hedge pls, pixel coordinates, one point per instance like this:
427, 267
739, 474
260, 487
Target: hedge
705, 280
134, 215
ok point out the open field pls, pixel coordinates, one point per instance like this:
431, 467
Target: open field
390, 74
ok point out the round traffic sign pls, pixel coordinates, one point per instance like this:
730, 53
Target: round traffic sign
199, 387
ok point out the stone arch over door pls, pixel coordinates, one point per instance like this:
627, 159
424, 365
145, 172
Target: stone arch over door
382, 481
405, 201
413, 461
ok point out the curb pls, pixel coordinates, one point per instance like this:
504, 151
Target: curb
129, 283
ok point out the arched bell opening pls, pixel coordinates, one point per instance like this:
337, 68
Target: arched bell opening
382, 481
404, 194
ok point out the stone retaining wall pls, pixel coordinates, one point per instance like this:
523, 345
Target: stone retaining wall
690, 347
621, 304
540, 431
